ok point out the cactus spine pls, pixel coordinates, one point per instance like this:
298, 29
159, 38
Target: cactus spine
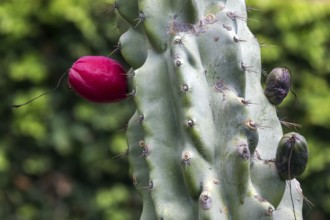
198, 148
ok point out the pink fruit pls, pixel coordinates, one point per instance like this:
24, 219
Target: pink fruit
98, 79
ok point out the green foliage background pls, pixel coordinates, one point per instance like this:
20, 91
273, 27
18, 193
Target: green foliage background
56, 154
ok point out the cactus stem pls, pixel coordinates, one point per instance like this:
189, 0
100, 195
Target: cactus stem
269, 212
205, 200
243, 151
178, 63
220, 86
184, 88
253, 125
139, 19
250, 131
299, 190
208, 19
247, 68
227, 27
178, 40
181, 27
132, 93
233, 16
194, 87
141, 144
260, 198
238, 40
145, 147
141, 118
186, 159
149, 187
145, 151
245, 102
190, 123
290, 189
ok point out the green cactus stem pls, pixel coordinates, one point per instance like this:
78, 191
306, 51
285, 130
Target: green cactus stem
198, 148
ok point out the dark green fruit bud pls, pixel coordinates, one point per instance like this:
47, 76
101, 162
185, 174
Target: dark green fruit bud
291, 156
278, 85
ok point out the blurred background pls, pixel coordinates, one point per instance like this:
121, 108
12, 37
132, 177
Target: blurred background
58, 154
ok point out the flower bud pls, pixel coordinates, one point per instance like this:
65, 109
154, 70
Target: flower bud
98, 79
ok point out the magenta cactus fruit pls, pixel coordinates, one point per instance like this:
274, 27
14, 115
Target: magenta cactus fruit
98, 79
278, 85
291, 156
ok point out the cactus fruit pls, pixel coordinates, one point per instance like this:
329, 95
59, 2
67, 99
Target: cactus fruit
291, 156
204, 135
278, 84
98, 79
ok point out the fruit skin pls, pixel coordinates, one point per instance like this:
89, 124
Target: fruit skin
278, 85
291, 156
98, 79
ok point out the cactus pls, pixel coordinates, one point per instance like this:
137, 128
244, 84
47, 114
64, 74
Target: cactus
203, 139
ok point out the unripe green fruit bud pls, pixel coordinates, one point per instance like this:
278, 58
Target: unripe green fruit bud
291, 156
278, 85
